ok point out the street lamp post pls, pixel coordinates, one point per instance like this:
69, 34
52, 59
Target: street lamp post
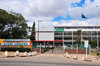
97, 32
38, 34
97, 35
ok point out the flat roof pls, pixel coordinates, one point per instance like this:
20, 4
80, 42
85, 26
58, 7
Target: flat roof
48, 41
76, 26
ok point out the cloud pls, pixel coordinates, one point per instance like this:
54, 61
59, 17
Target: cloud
15, 5
47, 10
90, 10
38, 8
88, 22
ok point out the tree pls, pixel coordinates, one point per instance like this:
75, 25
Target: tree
32, 37
93, 43
12, 25
78, 37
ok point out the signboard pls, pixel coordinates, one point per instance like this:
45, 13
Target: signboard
60, 30
15, 44
86, 44
16, 40
1, 40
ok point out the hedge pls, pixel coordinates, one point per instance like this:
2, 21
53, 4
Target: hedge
15, 49
98, 53
47, 49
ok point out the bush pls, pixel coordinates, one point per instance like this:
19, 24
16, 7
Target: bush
98, 54
47, 48
15, 49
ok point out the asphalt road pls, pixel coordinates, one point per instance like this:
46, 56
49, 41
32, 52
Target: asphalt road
43, 60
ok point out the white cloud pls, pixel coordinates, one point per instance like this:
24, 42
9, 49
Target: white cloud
90, 10
38, 8
46, 10
15, 5
88, 22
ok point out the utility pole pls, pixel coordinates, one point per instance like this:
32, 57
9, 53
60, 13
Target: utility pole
97, 30
38, 34
81, 33
97, 35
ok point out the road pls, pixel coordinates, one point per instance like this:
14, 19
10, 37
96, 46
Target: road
44, 60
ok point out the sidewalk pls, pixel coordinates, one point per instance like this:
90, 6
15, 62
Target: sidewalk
57, 58
10, 53
90, 57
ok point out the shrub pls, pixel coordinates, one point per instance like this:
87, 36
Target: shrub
47, 48
98, 54
15, 49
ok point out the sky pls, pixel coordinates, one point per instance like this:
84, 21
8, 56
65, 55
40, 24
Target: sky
56, 12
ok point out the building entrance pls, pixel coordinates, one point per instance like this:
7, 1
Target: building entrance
48, 46
58, 45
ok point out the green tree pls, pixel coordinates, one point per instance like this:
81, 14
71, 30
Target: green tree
93, 43
78, 37
32, 37
12, 25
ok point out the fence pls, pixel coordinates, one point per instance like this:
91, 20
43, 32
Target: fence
77, 48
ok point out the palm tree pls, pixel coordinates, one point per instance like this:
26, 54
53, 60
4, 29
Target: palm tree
78, 37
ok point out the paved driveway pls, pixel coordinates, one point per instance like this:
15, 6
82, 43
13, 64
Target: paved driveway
44, 60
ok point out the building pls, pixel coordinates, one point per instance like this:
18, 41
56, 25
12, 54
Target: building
26, 43
65, 35
45, 37
69, 33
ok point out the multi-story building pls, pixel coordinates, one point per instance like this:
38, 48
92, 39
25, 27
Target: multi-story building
67, 34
